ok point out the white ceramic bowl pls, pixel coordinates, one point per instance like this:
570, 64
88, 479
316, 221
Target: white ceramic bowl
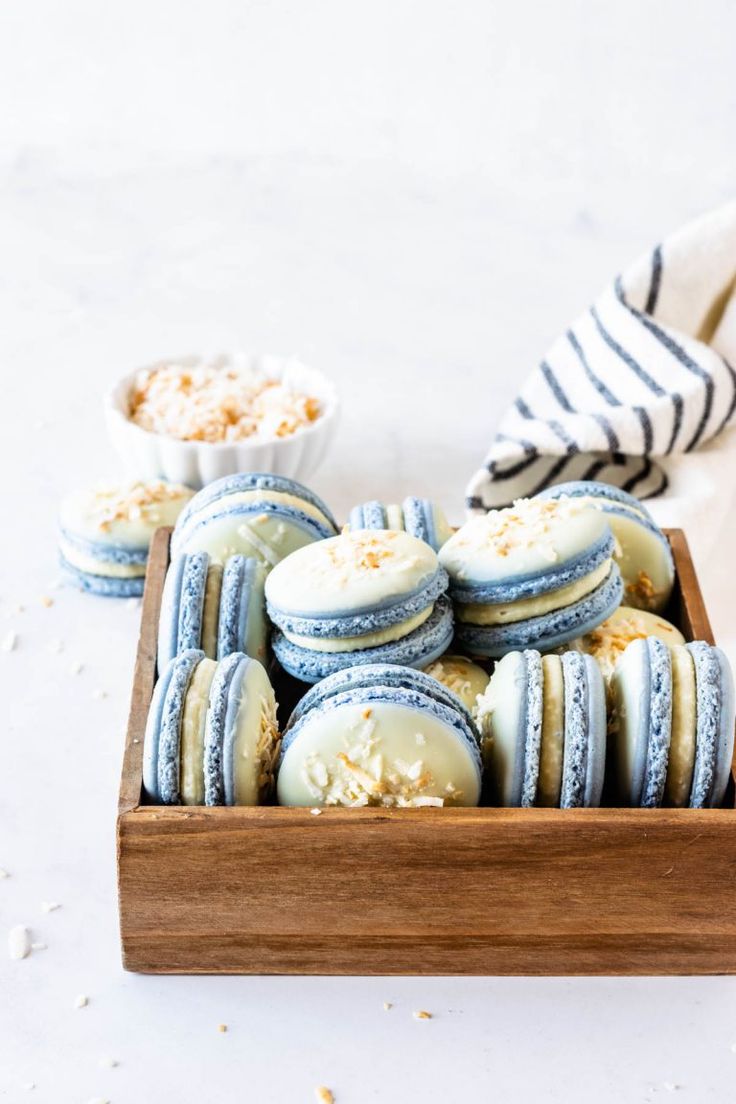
148, 455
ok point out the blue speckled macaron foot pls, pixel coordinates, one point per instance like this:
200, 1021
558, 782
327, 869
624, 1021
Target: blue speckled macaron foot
379, 674
169, 740
420, 647
105, 586
548, 630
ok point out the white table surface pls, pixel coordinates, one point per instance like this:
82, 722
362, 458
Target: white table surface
415, 202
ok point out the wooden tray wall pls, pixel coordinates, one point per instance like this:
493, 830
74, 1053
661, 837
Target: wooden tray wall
421, 891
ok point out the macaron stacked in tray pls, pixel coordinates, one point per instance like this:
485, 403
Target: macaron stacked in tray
521, 697
367, 596
535, 575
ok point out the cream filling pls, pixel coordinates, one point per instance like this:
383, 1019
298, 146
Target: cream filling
681, 761
478, 613
358, 643
394, 517
257, 739
92, 566
211, 610
382, 754
549, 785
461, 675
194, 715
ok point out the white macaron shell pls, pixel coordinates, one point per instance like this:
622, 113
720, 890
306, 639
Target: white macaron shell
630, 689
502, 721
383, 754
528, 538
356, 571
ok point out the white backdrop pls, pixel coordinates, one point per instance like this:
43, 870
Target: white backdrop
415, 197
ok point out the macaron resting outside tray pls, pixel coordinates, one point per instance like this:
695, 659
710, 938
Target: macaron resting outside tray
105, 533
537, 574
260, 515
643, 553
367, 596
381, 735
215, 608
418, 516
672, 727
211, 736
543, 730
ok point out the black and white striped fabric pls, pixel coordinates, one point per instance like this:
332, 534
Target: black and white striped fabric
646, 374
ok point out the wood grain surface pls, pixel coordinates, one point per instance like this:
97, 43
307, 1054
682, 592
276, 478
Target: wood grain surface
425, 891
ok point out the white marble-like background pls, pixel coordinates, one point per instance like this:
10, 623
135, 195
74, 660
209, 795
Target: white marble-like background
415, 197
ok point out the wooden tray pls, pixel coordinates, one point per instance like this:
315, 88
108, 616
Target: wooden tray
421, 891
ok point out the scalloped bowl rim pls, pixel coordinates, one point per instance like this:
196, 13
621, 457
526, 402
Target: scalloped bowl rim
117, 398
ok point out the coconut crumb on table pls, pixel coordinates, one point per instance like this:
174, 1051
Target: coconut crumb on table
4, 873
19, 942
81, 1001
9, 642
222, 1028
387, 1006
422, 1015
50, 906
324, 1095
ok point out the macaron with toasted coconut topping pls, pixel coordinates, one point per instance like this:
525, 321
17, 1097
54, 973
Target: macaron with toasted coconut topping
534, 575
105, 533
252, 514
367, 596
383, 736
543, 730
462, 676
672, 726
643, 553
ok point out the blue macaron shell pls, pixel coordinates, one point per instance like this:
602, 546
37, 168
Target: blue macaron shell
532, 728
379, 616
381, 674
239, 578
104, 551
517, 587
151, 737
215, 727
168, 622
250, 481
191, 603
714, 713
419, 648
575, 753
169, 740
727, 717
396, 695
582, 488
105, 586
597, 734
548, 630
658, 711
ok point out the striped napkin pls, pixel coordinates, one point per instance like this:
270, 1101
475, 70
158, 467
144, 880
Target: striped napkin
645, 376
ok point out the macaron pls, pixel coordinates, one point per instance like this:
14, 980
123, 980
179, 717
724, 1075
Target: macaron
220, 610
543, 730
367, 596
390, 738
418, 516
643, 554
608, 642
105, 533
256, 515
534, 575
460, 675
672, 726
211, 736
